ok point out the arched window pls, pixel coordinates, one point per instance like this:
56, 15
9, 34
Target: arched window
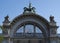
29, 29
20, 30
38, 30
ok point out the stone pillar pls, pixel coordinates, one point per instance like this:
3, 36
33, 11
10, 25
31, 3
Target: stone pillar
6, 25
53, 30
34, 30
24, 30
10, 40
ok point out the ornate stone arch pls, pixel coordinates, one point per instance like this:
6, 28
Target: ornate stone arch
30, 18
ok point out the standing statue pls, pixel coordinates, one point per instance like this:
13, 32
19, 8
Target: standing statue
52, 19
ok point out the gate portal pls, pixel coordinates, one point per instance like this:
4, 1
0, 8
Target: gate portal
29, 27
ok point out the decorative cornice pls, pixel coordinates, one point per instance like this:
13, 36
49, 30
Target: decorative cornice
32, 15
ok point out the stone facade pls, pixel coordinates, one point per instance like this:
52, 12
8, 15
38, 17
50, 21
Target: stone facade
29, 17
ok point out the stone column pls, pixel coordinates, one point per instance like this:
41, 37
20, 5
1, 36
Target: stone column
10, 40
53, 30
34, 30
24, 30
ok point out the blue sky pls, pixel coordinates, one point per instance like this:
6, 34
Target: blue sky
44, 8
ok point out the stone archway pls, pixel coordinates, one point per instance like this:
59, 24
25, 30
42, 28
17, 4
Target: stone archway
29, 16
35, 24
30, 19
